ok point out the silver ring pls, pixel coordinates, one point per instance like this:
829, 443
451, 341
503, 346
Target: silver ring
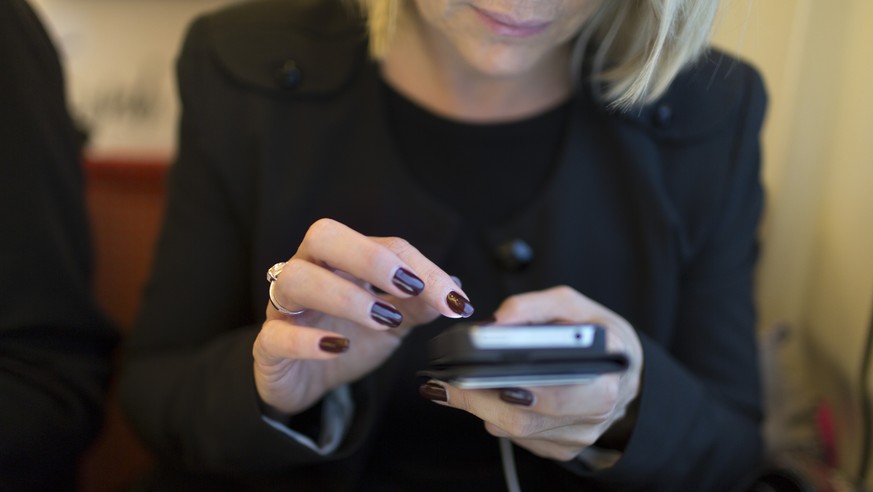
272, 276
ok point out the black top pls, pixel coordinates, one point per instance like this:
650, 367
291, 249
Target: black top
54, 344
459, 163
652, 213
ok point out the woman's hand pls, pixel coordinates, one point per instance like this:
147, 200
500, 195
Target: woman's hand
346, 329
554, 422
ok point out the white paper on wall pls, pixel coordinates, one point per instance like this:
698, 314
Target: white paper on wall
119, 58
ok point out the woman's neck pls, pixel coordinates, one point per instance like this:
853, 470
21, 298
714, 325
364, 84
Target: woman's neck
428, 70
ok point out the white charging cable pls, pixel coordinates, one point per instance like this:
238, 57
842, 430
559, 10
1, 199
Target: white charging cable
508, 460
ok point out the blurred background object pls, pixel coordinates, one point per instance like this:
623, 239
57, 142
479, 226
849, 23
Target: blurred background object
119, 61
816, 274
55, 344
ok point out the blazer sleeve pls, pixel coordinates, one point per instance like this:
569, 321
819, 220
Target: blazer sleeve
187, 383
700, 408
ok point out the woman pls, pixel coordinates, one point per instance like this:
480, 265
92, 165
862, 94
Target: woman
552, 155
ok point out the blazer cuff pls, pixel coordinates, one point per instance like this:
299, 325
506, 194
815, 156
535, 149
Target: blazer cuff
336, 415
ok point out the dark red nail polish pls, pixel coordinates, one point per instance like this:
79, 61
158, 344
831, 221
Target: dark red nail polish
517, 396
334, 345
408, 282
433, 392
459, 304
386, 315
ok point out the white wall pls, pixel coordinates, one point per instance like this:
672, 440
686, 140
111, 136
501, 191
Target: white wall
119, 57
817, 263
841, 277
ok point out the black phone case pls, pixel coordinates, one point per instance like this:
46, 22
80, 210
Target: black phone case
453, 358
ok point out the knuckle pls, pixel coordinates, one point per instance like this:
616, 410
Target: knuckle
512, 304
495, 430
293, 274
397, 244
598, 418
566, 292
563, 453
459, 400
268, 332
433, 277
270, 340
323, 223
611, 390
292, 267
606, 402
589, 435
319, 228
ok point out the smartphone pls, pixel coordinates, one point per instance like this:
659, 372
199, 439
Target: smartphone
475, 356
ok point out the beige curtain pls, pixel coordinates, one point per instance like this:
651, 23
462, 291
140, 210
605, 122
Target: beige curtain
816, 272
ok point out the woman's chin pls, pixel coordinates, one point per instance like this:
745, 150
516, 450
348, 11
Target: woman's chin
501, 63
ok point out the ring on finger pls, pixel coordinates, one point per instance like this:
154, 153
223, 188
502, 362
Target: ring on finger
272, 276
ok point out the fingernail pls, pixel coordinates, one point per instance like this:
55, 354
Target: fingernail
386, 314
433, 392
408, 282
517, 396
459, 304
334, 345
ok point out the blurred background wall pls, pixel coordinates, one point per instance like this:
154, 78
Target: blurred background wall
816, 273
119, 58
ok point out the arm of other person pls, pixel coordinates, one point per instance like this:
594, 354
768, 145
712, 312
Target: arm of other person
54, 344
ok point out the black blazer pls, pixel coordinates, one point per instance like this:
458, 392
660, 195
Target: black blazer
653, 213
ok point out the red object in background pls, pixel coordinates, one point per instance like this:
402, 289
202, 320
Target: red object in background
125, 203
825, 425
125, 200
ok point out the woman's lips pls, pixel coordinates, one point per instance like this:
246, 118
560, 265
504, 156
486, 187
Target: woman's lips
505, 25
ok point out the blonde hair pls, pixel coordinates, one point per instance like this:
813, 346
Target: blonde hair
639, 45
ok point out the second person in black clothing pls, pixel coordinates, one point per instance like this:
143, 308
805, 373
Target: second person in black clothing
55, 344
